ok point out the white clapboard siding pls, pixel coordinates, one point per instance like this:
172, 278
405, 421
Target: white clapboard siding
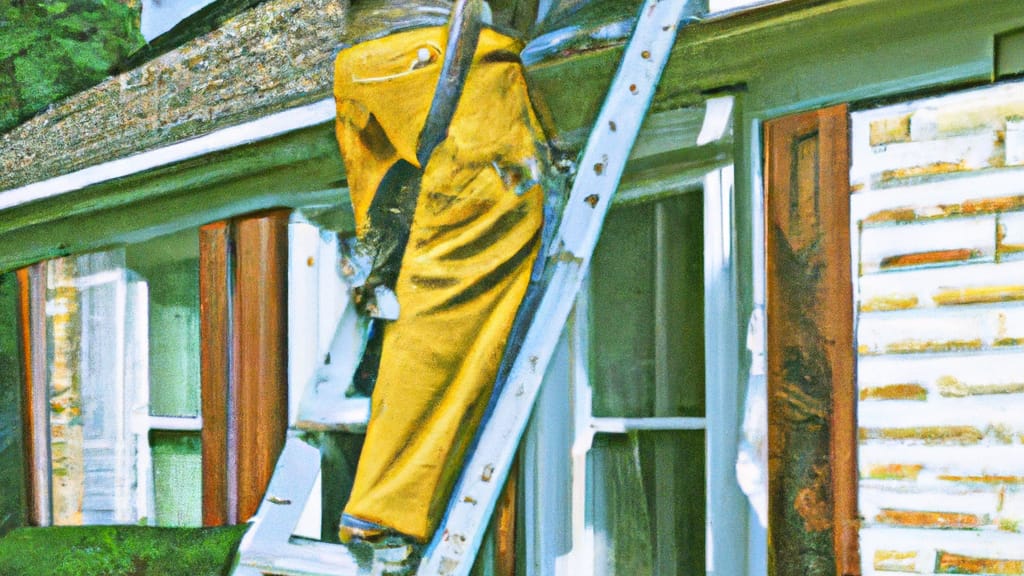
938, 220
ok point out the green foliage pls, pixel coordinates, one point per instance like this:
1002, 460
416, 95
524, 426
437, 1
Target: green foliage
50, 49
119, 551
12, 512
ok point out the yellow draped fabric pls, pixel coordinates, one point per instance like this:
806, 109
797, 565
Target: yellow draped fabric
474, 238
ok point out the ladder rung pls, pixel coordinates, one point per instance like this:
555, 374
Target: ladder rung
333, 414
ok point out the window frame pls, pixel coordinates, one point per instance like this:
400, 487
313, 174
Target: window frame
551, 436
243, 380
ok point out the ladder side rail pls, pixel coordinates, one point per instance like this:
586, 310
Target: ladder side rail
267, 546
454, 547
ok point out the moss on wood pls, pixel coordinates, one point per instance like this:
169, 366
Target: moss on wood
119, 551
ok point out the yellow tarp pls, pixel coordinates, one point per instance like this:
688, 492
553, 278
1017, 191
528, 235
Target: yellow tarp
474, 238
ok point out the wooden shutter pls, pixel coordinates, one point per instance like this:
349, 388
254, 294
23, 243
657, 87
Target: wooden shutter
811, 391
219, 472
243, 294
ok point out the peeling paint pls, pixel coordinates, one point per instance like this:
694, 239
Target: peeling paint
949, 563
890, 303
895, 561
919, 519
932, 257
951, 387
956, 435
895, 392
894, 472
979, 295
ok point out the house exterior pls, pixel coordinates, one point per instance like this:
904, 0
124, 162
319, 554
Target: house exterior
178, 225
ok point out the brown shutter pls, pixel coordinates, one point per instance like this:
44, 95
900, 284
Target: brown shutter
811, 390
219, 473
261, 354
244, 305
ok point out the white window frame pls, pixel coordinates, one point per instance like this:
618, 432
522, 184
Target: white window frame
555, 432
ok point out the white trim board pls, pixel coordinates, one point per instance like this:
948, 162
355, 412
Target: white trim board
263, 128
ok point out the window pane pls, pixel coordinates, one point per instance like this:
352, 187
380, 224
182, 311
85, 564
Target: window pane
647, 310
177, 478
12, 471
91, 448
622, 318
647, 503
170, 266
682, 253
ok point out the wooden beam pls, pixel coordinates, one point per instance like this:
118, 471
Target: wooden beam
261, 350
219, 470
35, 400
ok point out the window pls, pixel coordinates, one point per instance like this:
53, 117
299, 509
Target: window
622, 455
121, 385
154, 377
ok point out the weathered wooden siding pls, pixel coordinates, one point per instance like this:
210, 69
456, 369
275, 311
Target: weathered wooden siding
938, 212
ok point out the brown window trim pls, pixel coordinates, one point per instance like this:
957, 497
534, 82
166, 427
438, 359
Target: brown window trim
35, 400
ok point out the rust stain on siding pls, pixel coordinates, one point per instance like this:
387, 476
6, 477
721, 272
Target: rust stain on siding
949, 563
911, 391
1003, 342
895, 561
979, 295
922, 519
931, 257
889, 303
894, 471
960, 435
950, 387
